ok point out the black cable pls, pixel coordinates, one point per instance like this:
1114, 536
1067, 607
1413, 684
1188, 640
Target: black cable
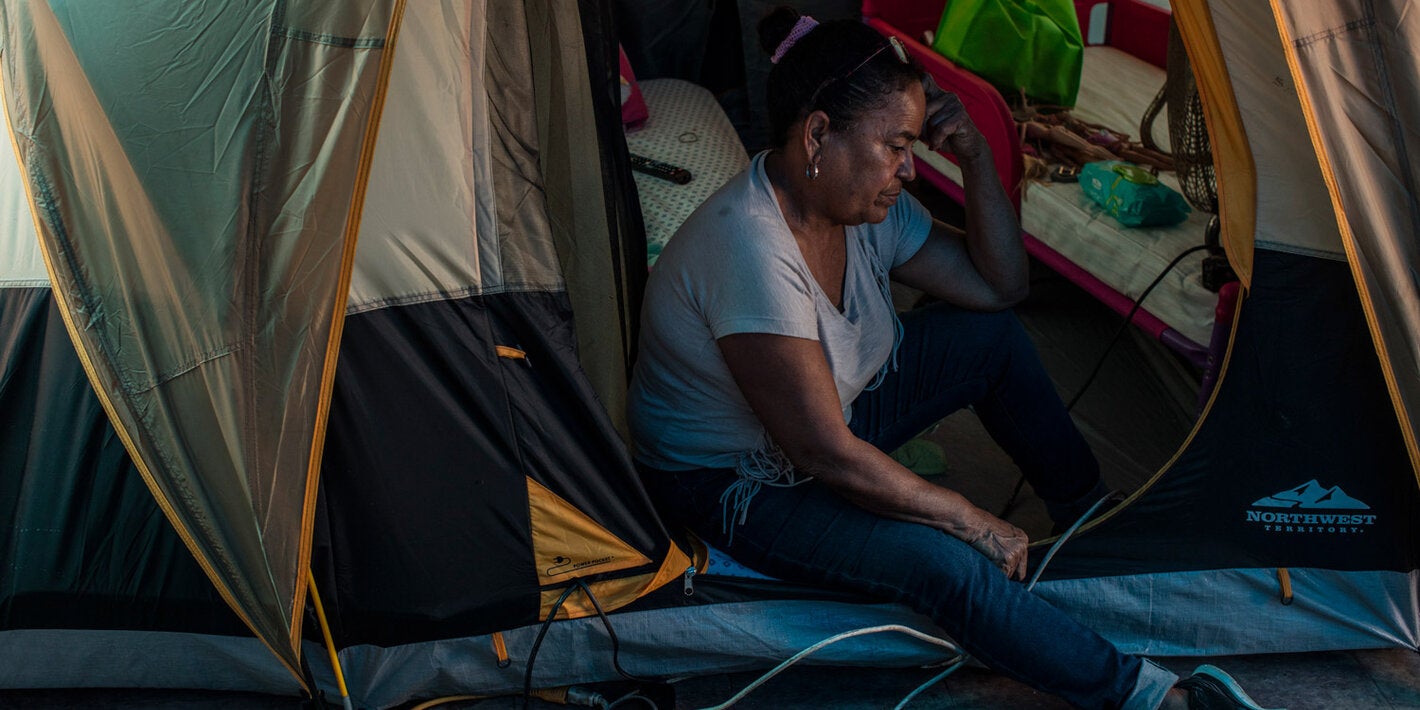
1099, 363
1125, 325
537, 643
615, 643
552, 616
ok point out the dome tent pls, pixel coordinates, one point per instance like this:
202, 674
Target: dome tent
1293, 501
1284, 522
197, 241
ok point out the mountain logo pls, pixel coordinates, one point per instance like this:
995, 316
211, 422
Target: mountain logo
1314, 505
1312, 495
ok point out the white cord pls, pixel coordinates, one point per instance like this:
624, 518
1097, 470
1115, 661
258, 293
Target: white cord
955, 663
1030, 586
633, 696
958, 663
832, 640
1034, 578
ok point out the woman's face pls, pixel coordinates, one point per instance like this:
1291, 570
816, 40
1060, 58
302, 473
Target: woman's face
867, 164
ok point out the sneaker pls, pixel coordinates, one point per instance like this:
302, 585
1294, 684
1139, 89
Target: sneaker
1210, 688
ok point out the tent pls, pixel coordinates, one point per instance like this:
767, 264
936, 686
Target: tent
1287, 519
199, 176
212, 205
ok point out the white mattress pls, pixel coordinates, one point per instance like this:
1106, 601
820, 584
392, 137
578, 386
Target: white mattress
688, 129
1115, 89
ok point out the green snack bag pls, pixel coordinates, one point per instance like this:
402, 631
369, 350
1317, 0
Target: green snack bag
1017, 45
1132, 195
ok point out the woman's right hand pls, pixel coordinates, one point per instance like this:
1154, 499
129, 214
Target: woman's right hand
1002, 543
947, 124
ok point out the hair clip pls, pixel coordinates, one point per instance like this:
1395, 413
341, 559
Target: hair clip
899, 49
803, 26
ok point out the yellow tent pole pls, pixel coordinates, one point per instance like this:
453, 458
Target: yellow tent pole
337, 324
1235, 170
329, 642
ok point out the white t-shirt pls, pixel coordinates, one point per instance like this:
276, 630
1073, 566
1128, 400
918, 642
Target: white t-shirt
734, 267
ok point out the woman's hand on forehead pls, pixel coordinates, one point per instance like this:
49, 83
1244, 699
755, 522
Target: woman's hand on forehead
947, 124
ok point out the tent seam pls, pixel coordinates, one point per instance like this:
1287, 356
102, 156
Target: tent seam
328, 40
1322, 36
466, 292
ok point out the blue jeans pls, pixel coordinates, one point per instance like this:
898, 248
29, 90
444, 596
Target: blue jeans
951, 358
807, 533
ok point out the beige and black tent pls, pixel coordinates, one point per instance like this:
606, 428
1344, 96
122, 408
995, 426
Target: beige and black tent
213, 209
345, 292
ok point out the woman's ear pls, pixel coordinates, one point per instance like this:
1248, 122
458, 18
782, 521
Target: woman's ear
814, 131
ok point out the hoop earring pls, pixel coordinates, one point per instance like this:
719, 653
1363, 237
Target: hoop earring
811, 171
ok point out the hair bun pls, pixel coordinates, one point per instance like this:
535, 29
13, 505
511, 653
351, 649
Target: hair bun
775, 27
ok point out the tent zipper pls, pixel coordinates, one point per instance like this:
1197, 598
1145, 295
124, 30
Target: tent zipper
690, 580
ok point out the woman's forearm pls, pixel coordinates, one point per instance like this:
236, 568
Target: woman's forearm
993, 235
874, 481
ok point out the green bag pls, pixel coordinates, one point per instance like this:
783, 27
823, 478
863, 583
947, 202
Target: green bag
1132, 195
1016, 45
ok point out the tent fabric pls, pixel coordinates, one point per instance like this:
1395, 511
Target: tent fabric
1270, 195
288, 164
507, 169
1293, 213
21, 263
716, 638
1297, 462
202, 308
667, 642
1234, 611
476, 174
430, 523
473, 223
94, 658
79, 522
1354, 65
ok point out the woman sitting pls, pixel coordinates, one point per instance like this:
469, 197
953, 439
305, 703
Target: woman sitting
774, 373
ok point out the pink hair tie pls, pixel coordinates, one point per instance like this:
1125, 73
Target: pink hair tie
801, 28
